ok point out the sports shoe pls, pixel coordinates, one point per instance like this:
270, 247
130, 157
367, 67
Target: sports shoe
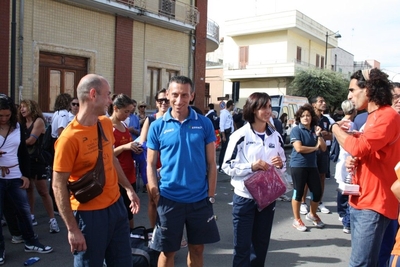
299, 225
38, 248
315, 220
323, 209
34, 222
2, 256
340, 218
220, 171
54, 226
183, 242
17, 239
346, 230
303, 208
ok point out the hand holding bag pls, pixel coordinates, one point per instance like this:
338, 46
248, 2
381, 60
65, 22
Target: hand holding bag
91, 184
265, 187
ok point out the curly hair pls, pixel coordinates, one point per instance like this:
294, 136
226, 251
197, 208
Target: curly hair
309, 108
62, 102
8, 103
378, 85
34, 110
254, 102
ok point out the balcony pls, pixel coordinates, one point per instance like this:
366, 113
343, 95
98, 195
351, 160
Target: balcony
173, 15
264, 70
212, 36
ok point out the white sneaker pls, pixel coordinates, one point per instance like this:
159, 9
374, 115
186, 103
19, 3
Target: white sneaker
17, 239
299, 225
323, 209
54, 226
315, 220
303, 208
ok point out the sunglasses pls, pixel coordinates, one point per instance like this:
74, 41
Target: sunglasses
163, 100
142, 106
75, 104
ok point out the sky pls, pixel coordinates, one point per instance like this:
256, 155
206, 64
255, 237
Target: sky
369, 29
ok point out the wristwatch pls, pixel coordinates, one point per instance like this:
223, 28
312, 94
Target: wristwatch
211, 199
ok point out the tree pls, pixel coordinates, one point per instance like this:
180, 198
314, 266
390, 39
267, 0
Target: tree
316, 82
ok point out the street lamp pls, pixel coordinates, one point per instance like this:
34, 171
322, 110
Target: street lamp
337, 35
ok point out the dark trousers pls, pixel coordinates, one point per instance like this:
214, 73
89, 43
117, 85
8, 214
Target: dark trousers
223, 148
251, 232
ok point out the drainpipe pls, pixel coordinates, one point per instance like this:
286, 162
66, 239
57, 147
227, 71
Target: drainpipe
13, 42
21, 46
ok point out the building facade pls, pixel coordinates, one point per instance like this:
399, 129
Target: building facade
264, 52
136, 45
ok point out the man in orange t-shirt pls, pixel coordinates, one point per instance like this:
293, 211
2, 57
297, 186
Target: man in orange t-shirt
101, 224
374, 154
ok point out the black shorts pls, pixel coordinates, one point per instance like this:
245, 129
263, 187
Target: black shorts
38, 170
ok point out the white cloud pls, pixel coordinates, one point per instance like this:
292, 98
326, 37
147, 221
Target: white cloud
369, 29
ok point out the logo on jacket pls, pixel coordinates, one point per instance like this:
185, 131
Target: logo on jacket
270, 145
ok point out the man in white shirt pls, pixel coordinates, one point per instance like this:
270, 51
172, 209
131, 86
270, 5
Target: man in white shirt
225, 128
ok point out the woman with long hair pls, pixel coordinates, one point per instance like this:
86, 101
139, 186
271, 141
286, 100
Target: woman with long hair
33, 123
14, 166
162, 103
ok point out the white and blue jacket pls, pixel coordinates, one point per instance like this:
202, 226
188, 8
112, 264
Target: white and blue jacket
244, 148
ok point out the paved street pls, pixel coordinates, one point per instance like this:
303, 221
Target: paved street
288, 247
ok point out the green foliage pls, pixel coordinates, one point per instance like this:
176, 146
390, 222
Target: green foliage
317, 82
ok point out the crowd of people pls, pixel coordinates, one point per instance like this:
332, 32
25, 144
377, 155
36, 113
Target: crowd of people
174, 152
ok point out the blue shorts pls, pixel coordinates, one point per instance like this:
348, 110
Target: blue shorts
201, 227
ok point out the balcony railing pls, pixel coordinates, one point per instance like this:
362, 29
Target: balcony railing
212, 29
171, 9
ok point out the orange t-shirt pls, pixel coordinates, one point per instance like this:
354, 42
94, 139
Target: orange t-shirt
379, 149
76, 152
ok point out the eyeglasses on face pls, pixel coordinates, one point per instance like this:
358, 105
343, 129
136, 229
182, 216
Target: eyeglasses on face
142, 106
75, 104
163, 100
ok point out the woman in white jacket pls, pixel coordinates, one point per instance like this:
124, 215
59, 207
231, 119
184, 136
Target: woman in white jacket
255, 146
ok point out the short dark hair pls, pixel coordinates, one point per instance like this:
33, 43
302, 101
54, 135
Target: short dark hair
159, 92
309, 108
378, 85
229, 103
211, 106
182, 80
254, 102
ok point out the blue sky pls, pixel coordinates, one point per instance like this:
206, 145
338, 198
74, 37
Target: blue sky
369, 29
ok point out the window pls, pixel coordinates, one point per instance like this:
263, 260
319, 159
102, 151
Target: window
167, 8
207, 94
322, 62
58, 74
298, 55
243, 57
317, 61
152, 86
171, 73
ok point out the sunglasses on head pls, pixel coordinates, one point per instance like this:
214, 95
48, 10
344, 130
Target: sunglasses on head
75, 104
163, 100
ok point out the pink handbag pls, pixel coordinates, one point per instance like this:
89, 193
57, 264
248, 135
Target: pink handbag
265, 187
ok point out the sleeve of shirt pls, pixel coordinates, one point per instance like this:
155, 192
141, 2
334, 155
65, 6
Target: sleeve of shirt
152, 137
210, 134
295, 134
372, 139
222, 119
